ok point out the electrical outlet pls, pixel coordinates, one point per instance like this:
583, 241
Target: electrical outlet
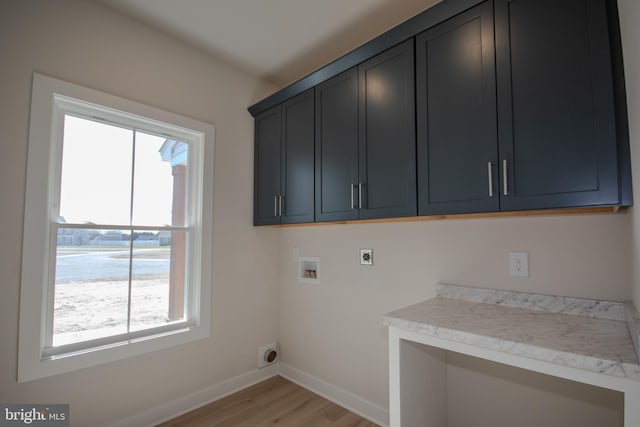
519, 264
267, 355
366, 256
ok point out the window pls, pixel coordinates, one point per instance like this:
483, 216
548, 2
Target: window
117, 239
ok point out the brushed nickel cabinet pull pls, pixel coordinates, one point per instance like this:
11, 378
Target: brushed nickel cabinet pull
351, 185
490, 175
504, 177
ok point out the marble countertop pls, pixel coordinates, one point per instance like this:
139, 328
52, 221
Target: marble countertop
585, 334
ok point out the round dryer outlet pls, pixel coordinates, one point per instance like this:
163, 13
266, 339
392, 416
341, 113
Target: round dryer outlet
267, 355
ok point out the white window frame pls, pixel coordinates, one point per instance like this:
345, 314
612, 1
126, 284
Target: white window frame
51, 100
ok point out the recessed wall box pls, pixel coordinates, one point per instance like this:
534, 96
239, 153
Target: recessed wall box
309, 269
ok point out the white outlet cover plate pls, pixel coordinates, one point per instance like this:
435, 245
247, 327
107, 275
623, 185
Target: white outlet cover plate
366, 256
519, 264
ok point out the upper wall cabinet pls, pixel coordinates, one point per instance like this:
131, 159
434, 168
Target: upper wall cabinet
337, 147
266, 170
387, 162
556, 108
471, 106
365, 140
456, 115
283, 172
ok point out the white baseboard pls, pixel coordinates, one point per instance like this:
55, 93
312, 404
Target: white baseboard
346, 399
195, 400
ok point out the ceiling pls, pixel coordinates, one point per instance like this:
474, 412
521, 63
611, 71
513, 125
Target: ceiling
277, 40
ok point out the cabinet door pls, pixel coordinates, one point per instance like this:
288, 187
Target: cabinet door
556, 108
337, 147
266, 188
297, 159
387, 154
456, 115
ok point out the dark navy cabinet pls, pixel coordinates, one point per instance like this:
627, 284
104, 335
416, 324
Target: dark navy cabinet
336, 157
536, 131
387, 162
456, 115
266, 171
556, 107
365, 140
471, 106
284, 159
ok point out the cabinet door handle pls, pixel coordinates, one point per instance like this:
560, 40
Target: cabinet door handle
490, 175
351, 185
275, 205
359, 195
280, 205
504, 178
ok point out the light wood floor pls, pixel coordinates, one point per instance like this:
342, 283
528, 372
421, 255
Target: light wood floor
274, 402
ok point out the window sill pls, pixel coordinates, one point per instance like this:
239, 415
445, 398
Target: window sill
59, 360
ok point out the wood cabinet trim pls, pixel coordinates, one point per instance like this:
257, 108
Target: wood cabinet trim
512, 214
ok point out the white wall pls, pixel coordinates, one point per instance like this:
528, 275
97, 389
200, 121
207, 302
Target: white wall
333, 330
88, 44
629, 18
